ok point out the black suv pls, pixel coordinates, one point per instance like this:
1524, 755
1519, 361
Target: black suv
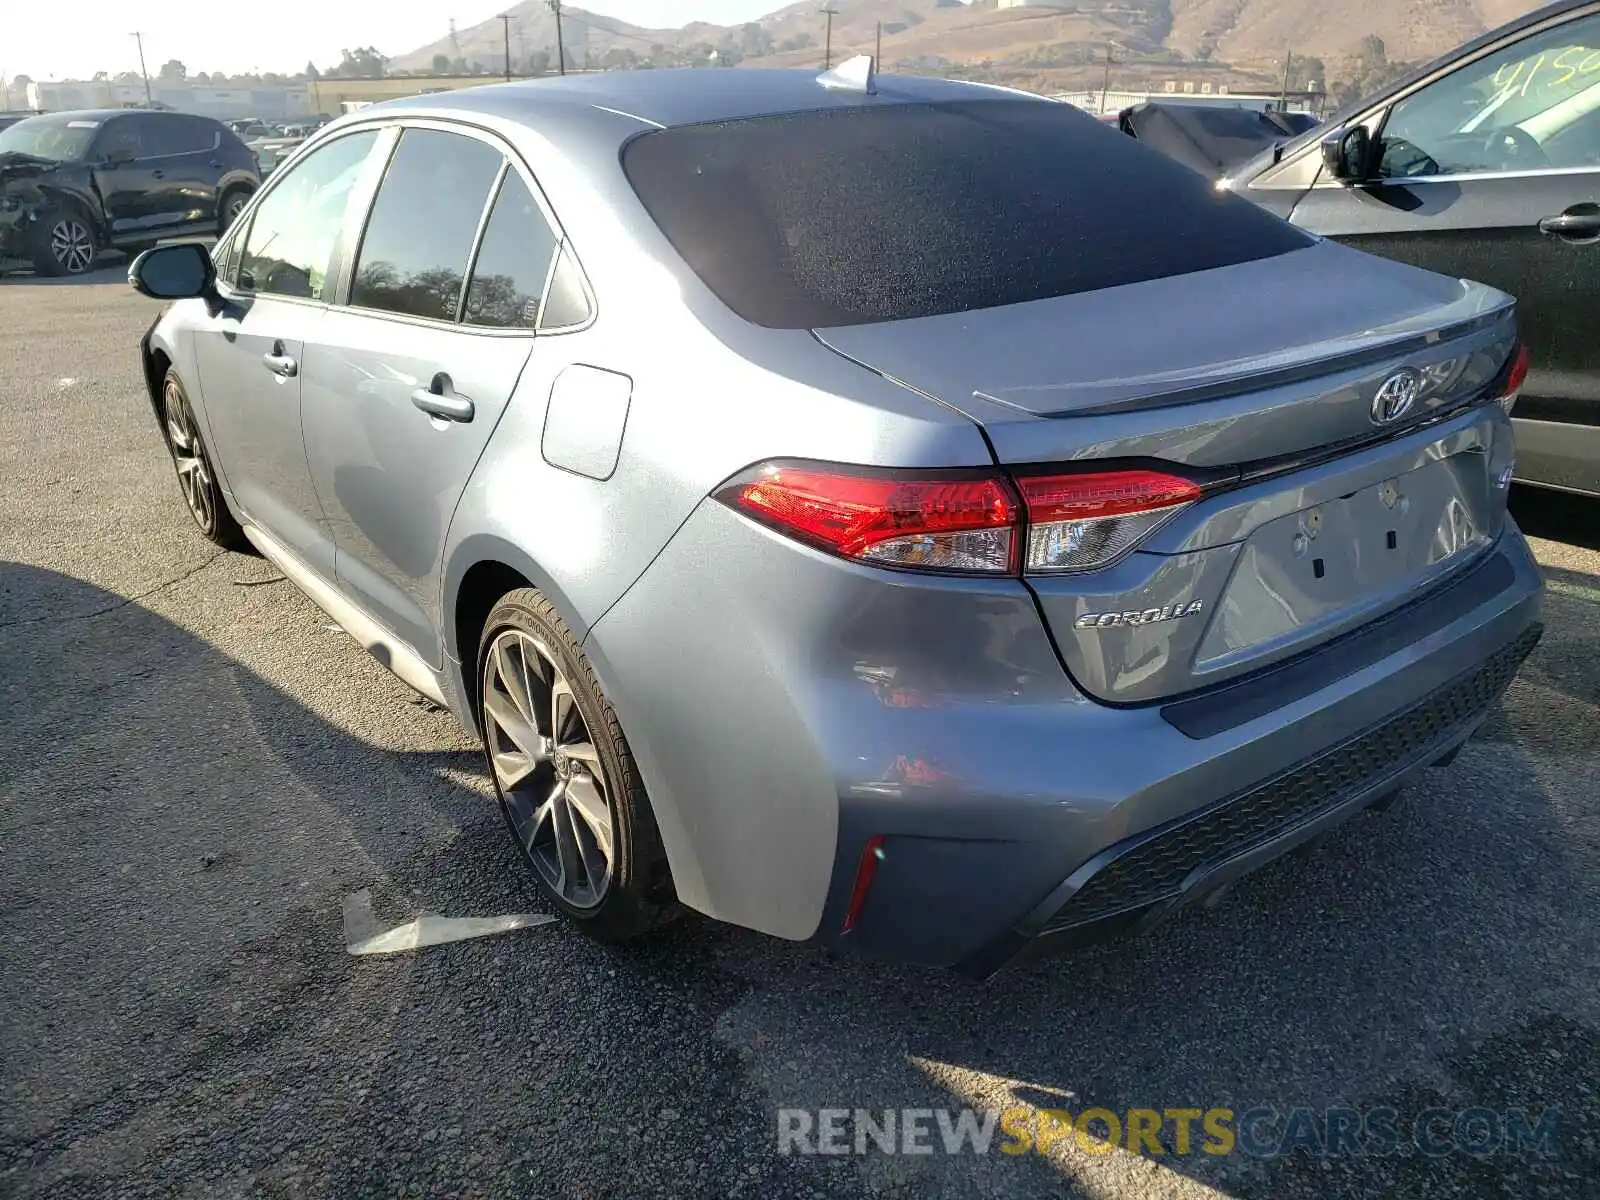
75, 183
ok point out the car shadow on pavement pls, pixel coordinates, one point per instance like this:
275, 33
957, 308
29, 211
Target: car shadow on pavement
113, 271
178, 1010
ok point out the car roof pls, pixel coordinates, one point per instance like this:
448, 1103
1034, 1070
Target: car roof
668, 98
107, 114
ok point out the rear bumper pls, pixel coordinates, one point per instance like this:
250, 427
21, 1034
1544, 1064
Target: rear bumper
1137, 883
787, 714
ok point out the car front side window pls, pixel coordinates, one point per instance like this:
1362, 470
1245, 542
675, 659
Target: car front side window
297, 224
1533, 105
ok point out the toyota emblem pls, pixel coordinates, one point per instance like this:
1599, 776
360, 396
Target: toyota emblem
1396, 396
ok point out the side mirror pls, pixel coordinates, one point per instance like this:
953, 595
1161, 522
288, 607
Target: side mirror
118, 158
181, 272
1345, 154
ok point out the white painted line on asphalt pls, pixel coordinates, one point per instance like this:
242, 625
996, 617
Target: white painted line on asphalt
364, 935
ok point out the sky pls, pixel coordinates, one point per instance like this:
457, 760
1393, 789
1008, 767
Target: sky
278, 36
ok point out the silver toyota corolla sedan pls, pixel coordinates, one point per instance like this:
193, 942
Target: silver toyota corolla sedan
888, 512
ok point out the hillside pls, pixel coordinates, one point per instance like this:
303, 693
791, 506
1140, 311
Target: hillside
1051, 43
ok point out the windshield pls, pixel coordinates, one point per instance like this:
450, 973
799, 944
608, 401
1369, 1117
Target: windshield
62, 138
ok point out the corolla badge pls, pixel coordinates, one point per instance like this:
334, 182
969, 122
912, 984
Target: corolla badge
1148, 616
1396, 396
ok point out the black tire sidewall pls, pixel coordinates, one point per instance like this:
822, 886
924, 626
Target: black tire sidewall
44, 260
225, 202
634, 900
224, 530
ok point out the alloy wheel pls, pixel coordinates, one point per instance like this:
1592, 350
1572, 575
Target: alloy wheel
547, 769
189, 457
72, 245
235, 206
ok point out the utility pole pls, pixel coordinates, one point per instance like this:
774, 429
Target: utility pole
1283, 99
148, 99
1105, 80
505, 25
5, 91
561, 50
877, 47
827, 54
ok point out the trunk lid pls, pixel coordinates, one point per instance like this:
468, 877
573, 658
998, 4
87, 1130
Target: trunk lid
1261, 381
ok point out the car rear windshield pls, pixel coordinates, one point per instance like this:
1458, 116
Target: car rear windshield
884, 211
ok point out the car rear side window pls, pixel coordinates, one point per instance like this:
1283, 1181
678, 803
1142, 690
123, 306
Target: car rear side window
513, 264
879, 212
296, 225
177, 133
419, 237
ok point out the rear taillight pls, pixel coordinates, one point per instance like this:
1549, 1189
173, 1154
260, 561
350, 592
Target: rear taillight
1516, 376
965, 522
1080, 522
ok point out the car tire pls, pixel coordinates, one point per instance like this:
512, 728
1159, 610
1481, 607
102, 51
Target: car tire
229, 206
65, 243
567, 784
197, 477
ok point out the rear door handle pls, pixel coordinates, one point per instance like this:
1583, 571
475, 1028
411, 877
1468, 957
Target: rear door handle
158, 174
1580, 223
440, 399
280, 364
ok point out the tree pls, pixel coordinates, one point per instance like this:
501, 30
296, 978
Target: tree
311, 71
538, 63
364, 62
441, 64
173, 71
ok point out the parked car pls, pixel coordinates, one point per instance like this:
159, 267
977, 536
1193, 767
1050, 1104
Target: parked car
74, 184
8, 119
1484, 164
271, 151
783, 477
1209, 138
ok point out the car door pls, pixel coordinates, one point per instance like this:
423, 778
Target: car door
405, 382
185, 167
1492, 172
249, 353
122, 175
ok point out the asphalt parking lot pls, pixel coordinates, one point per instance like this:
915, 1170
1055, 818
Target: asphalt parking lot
196, 770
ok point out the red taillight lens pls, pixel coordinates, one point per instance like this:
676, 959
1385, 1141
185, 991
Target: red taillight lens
1516, 376
963, 522
1081, 522
910, 520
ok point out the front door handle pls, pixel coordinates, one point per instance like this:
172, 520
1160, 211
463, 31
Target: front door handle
440, 399
158, 174
280, 364
1580, 223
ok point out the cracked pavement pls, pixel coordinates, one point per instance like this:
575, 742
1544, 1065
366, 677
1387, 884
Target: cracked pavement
195, 770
